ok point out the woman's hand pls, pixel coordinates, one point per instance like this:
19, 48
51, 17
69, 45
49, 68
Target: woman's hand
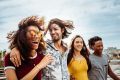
45, 61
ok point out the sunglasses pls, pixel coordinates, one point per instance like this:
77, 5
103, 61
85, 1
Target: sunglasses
33, 33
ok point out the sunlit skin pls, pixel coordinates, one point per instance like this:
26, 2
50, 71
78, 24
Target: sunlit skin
98, 48
78, 44
34, 36
55, 32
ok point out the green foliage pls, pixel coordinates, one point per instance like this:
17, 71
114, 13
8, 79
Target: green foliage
2, 54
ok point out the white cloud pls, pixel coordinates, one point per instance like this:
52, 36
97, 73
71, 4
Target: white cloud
98, 17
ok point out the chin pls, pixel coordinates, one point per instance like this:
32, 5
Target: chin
99, 52
55, 39
78, 49
35, 47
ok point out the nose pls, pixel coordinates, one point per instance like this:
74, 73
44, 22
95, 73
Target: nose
79, 44
35, 36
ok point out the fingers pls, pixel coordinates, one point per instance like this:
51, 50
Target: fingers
15, 57
17, 60
46, 60
12, 59
49, 57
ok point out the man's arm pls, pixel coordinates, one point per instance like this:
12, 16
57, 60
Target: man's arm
15, 57
112, 74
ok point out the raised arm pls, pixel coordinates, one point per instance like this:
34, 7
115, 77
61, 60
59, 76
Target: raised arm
11, 74
43, 63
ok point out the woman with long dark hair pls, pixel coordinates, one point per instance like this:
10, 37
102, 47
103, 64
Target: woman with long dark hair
29, 41
78, 59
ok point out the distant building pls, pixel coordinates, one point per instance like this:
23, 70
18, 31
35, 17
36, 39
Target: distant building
113, 52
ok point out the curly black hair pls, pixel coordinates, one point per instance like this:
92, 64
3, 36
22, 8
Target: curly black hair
92, 41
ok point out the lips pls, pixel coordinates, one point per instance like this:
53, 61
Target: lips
35, 42
79, 46
54, 36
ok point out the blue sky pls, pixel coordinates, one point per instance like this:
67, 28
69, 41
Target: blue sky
90, 17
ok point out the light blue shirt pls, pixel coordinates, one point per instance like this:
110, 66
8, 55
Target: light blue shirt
57, 70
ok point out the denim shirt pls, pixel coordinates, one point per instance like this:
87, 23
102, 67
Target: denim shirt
57, 70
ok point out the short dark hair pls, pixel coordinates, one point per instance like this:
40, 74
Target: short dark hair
63, 25
92, 41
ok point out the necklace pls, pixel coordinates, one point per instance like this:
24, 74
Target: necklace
78, 58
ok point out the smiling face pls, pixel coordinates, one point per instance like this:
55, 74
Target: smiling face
78, 44
33, 36
55, 32
98, 47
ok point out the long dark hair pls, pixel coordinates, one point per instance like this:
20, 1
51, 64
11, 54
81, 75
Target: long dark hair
18, 39
84, 52
64, 24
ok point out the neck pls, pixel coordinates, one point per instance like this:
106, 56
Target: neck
58, 44
32, 53
76, 53
97, 54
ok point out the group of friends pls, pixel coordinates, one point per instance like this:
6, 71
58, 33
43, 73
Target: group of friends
32, 58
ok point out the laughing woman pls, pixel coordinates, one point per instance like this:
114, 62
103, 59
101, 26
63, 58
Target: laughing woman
78, 61
29, 41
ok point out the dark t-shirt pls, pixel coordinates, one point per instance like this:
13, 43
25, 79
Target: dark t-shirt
25, 67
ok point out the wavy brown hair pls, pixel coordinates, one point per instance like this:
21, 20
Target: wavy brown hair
84, 52
63, 24
18, 38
